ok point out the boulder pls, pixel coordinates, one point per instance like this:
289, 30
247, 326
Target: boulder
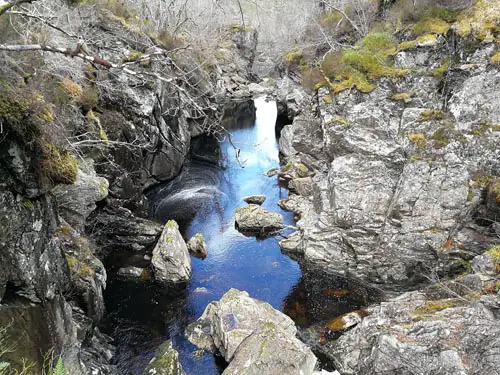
197, 246
171, 262
252, 336
255, 199
254, 219
165, 362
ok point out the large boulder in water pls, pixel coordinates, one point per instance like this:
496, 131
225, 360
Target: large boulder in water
165, 362
255, 219
171, 262
252, 336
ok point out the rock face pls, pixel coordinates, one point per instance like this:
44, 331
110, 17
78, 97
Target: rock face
77, 201
197, 246
252, 336
171, 263
255, 219
410, 334
165, 361
396, 186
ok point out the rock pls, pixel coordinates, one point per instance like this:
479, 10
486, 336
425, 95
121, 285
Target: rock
252, 336
197, 246
165, 362
254, 199
171, 262
346, 321
116, 228
406, 333
254, 219
301, 186
272, 172
486, 264
77, 201
131, 272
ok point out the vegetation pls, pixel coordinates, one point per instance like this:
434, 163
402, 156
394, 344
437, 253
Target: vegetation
431, 307
431, 115
418, 139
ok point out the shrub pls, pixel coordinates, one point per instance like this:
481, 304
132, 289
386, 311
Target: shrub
89, 98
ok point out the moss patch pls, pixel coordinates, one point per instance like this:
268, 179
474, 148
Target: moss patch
494, 252
59, 166
495, 58
431, 115
482, 21
418, 139
431, 307
403, 96
431, 25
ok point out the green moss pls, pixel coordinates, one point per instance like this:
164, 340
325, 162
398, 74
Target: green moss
369, 59
431, 115
302, 170
341, 121
327, 99
200, 237
442, 70
59, 166
294, 59
172, 224
481, 21
418, 139
79, 268
482, 181
133, 56
441, 137
494, 252
495, 58
403, 96
485, 126
410, 44
431, 25
26, 203
435, 306
88, 99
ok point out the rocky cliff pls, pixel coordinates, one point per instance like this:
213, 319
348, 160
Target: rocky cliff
404, 160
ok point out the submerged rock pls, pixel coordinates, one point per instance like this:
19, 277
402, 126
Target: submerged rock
197, 246
171, 262
165, 362
255, 199
252, 336
131, 272
254, 219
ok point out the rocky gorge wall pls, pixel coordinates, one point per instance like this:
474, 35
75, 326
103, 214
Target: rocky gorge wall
397, 185
77, 154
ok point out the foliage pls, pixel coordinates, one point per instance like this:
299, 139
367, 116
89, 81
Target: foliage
431, 25
88, 99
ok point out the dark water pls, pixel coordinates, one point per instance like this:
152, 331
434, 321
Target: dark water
140, 317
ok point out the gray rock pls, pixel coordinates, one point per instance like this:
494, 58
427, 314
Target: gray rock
254, 219
131, 272
117, 228
254, 199
171, 262
165, 362
485, 264
197, 246
409, 334
77, 201
301, 186
252, 336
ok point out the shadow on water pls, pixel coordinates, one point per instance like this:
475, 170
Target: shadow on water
203, 198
